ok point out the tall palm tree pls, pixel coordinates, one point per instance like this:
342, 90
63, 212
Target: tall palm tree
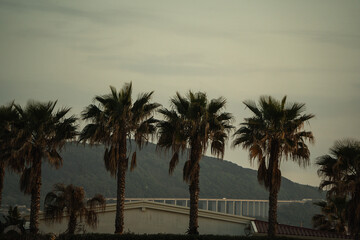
8, 117
69, 199
115, 119
193, 122
273, 132
40, 134
340, 172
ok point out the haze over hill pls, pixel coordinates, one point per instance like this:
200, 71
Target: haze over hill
83, 166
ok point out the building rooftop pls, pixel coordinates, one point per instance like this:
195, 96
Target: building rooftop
261, 228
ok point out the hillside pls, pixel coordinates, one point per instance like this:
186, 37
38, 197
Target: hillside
83, 166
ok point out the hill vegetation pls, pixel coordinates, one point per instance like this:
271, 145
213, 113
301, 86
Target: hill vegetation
83, 166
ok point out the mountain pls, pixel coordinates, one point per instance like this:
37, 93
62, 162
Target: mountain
83, 166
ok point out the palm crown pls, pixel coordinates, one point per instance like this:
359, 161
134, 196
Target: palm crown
192, 123
40, 133
117, 118
275, 130
69, 199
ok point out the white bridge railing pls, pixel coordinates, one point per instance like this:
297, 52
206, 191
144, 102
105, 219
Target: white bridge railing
240, 207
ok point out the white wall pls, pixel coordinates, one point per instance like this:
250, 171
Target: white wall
156, 220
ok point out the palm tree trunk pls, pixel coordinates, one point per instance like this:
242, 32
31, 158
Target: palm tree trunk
72, 224
122, 166
194, 204
35, 198
354, 218
194, 189
272, 213
2, 175
274, 186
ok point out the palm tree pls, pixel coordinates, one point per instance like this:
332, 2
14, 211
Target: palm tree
333, 215
113, 121
273, 132
7, 118
69, 199
340, 172
193, 122
40, 134
13, 219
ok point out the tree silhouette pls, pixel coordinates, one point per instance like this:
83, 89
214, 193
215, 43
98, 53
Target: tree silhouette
116, 119
40, 134
274, 131
193, 122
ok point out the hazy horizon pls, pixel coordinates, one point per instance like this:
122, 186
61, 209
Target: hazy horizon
308, 50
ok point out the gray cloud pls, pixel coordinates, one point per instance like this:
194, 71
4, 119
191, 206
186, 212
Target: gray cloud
73, 50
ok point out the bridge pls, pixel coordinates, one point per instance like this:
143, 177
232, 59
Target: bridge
240, 207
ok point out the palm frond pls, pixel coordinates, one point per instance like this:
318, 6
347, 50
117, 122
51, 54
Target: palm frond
111, 160
216, 105
180, 103
27, 179
54, 158
133, 161
97, 201
173, 162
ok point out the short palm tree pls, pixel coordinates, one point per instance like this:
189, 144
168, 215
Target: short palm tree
340, 172
40, 134
193, 122
70, 199
115, 120
8, 117
13, 219
333, 215
273, 132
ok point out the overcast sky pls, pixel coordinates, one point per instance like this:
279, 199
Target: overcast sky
71, 51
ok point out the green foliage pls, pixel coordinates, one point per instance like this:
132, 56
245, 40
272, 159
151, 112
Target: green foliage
28, 237
162, 237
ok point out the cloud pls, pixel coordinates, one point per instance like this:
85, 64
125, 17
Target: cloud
73, 50
336, 38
